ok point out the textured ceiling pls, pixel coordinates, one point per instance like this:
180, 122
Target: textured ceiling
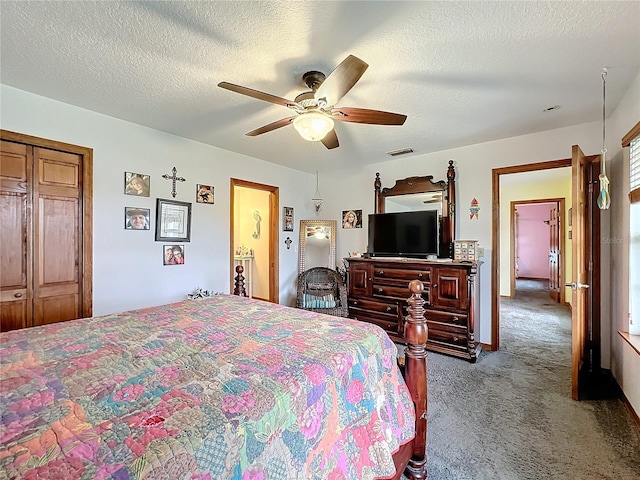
463, 72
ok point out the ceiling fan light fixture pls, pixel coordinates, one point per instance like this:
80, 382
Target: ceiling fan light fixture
313, 126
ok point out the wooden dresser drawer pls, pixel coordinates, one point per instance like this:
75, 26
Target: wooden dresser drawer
446, 318
389, 308
448, 339
380, 271
386, 321
396, 292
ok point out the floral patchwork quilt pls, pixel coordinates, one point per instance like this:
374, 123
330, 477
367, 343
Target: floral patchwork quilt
222, 387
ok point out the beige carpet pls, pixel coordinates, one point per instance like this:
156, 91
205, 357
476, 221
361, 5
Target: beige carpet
510, 416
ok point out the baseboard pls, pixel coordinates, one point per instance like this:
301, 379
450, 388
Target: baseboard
633, 413
486, 347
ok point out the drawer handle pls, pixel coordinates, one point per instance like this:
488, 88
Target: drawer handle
17, 295
381, 272
381, 290
435, 285
455, 339
354, 302
455, 319
420, 275
369, 279
388, 308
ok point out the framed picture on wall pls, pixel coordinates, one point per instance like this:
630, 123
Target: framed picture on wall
204, 193
136, 184
173, 255
352, 219
136, 218
287, 219
173, 221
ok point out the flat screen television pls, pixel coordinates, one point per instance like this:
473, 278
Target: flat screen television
404, 234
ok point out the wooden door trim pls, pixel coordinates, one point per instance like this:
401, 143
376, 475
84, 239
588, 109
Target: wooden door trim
274, 202
86, 217
495, 235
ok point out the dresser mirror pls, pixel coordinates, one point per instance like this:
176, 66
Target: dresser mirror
317, 244
422, 193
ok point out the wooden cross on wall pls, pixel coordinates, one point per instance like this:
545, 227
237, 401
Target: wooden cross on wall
174, 178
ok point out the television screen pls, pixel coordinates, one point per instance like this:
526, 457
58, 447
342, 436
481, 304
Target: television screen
404, 234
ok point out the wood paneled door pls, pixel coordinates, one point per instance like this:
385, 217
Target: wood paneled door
45, 231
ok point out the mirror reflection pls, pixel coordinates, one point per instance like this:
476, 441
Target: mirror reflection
317, 244
414, 202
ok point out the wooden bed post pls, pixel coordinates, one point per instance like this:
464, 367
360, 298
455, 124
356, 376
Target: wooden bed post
416, 334
239, 282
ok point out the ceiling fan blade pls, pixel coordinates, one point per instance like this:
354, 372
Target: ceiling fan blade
267, 97
341, 80
330, 140
364, 115
272, 126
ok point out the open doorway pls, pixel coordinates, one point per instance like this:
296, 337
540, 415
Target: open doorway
537, 243
254, 237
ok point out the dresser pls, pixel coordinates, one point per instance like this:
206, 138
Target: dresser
378, 294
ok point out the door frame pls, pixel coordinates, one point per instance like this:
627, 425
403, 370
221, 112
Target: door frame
86, 219
560, 203
495, 235
274, 201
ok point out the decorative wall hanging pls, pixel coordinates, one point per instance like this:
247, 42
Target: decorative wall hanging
258, 219
474, 209
352, 219
465, 250
136, 184
317, 198
174, 178
288, 243
136, 218
604, 198
287, 219
204, 194
173, 255
173, 221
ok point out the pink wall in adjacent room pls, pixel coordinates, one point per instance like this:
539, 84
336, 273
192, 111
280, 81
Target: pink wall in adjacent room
533, 240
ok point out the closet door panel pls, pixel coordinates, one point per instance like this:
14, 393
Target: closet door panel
15, 232
58, 237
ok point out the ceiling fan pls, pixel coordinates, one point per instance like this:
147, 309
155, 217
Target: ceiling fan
315, 110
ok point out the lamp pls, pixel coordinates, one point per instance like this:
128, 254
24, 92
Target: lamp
313, 126
317, 198
604, 199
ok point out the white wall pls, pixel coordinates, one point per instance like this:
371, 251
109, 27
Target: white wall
127, 265
625, 362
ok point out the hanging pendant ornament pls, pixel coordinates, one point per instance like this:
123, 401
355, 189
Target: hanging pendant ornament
604, 199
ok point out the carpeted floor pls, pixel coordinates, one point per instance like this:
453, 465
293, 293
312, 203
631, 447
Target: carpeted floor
510, 416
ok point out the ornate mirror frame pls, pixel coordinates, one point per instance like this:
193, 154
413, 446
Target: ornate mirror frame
307, 228
414, 185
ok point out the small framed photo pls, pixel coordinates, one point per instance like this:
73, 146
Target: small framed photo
173, 255
173, 221
136, 218
137, 184
287, 219
204, 193
352, 219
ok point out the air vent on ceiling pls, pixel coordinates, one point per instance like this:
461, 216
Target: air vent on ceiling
402, 151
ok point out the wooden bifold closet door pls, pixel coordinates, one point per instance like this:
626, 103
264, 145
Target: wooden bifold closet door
45, 234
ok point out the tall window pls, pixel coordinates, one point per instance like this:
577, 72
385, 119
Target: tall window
632, 140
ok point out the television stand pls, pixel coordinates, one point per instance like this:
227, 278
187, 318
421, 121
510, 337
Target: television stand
378, 292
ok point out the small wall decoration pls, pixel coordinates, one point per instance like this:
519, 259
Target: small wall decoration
474, 209
136, 218
258, 219
173, 255
173, 221
352, 219
204, 194
288, 242
174, 178
287, 219
136, 184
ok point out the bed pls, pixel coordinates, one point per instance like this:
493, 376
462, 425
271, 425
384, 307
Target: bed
213, 388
